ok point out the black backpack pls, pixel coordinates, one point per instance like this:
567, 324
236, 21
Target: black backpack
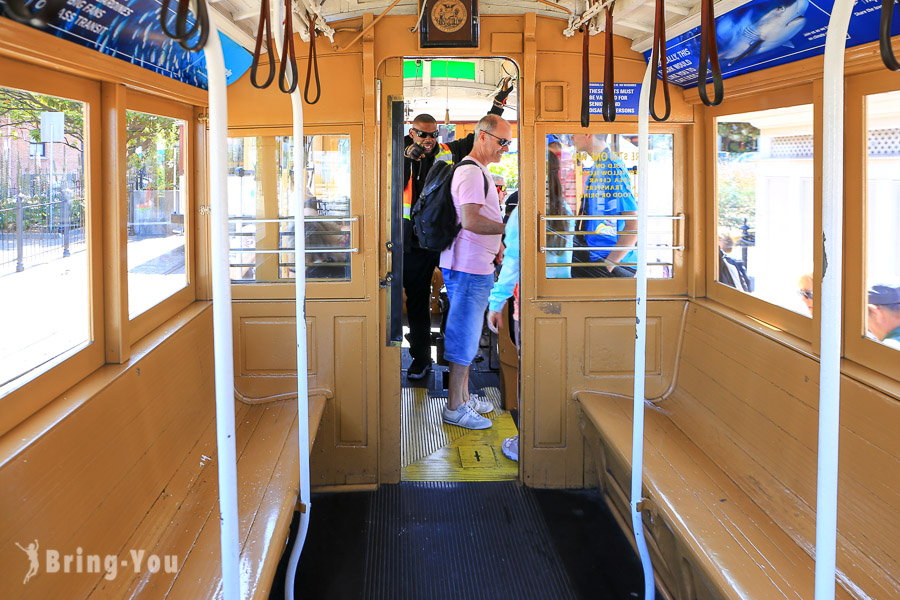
434, 215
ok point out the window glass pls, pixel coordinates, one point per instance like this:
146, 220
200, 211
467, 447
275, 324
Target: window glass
764, 184
261, 212
156, 202
596, 175
883, 218
44, 279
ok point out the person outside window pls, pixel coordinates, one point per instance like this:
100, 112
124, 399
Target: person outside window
468, 268
605, 191
422, 150
883, 320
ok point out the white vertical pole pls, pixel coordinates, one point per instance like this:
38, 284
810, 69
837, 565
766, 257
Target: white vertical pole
830, 301
222, 335
298, 201
640, 339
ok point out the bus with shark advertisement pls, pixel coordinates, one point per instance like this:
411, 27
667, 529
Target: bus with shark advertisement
266, 332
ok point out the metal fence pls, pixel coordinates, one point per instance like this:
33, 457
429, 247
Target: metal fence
34, 230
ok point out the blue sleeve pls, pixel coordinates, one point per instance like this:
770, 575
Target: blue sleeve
509, 272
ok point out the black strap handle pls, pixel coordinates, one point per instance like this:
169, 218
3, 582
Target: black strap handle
658, 60
586, 77
17, 11
709, 51
287, 53
265, 27
884, 38
182, 33
312, 62
609, 92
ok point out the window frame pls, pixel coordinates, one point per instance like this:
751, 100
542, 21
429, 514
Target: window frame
857, 347
796, 324
353, 288
33, 390
612, 287
148, 320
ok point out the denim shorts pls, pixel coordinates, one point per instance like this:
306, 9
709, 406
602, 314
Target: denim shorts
468, 302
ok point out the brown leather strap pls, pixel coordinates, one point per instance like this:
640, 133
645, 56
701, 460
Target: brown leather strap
586, 77
658, 60
709, 52
312, 62
884, 38
609, 92
287, 53
265, 27
182, 33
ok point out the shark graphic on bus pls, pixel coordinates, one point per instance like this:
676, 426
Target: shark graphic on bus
759, 28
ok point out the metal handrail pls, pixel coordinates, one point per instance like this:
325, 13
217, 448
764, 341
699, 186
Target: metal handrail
291, 251
291, 220
606, 217
610, 248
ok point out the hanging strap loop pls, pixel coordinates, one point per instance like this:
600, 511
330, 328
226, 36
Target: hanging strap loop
884, 38
312, 62
585, 77
709, 51
658, 61
609, 92
182, 33
17, 11
265, 27
287, 53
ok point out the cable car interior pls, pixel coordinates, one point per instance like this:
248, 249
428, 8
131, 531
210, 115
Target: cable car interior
686, 379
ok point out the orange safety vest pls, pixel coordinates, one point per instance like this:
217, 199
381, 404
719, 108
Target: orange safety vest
443, 154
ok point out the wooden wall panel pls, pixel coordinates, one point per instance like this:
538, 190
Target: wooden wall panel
351, 410
550, 384
603, 348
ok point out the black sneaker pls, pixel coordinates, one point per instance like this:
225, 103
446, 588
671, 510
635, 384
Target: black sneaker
418, 369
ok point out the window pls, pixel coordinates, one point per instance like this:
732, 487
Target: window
260, 186
883, 219
44, 275
156, 203
764, 197
596, 175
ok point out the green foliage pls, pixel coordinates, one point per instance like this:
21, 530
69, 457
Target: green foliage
509, 168
152, 151
736, 193
738, 137
22, 110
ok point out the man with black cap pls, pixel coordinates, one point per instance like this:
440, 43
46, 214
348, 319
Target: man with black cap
422, 150
884, 314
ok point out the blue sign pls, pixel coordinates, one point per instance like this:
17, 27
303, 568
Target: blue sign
626, 96
129, 30
767, 33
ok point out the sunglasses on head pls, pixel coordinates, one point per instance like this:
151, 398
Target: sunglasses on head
502, 141
425, 134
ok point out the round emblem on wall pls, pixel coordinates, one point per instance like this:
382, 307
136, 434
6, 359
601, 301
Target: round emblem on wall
449, 15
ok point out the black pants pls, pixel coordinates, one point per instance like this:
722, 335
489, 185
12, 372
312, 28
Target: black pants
599, 270
418, 269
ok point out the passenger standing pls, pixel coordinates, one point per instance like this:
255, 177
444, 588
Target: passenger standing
468, 267
606, 191
422, 150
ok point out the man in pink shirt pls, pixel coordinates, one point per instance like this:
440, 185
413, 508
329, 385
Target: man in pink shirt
468, 267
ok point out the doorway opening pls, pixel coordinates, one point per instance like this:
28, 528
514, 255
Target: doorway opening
456, 93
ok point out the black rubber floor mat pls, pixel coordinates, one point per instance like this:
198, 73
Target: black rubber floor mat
457, 541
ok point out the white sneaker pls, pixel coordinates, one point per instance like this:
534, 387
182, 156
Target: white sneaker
465, 416
510, 448
480, 404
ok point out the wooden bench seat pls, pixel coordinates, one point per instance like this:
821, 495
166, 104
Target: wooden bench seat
730, 470
184, 522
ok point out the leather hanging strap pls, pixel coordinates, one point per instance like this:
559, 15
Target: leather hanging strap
182, 33
609, 92
287, 53
658, 60
709, 52
586, 77
265, 27
884, 43
312, 62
